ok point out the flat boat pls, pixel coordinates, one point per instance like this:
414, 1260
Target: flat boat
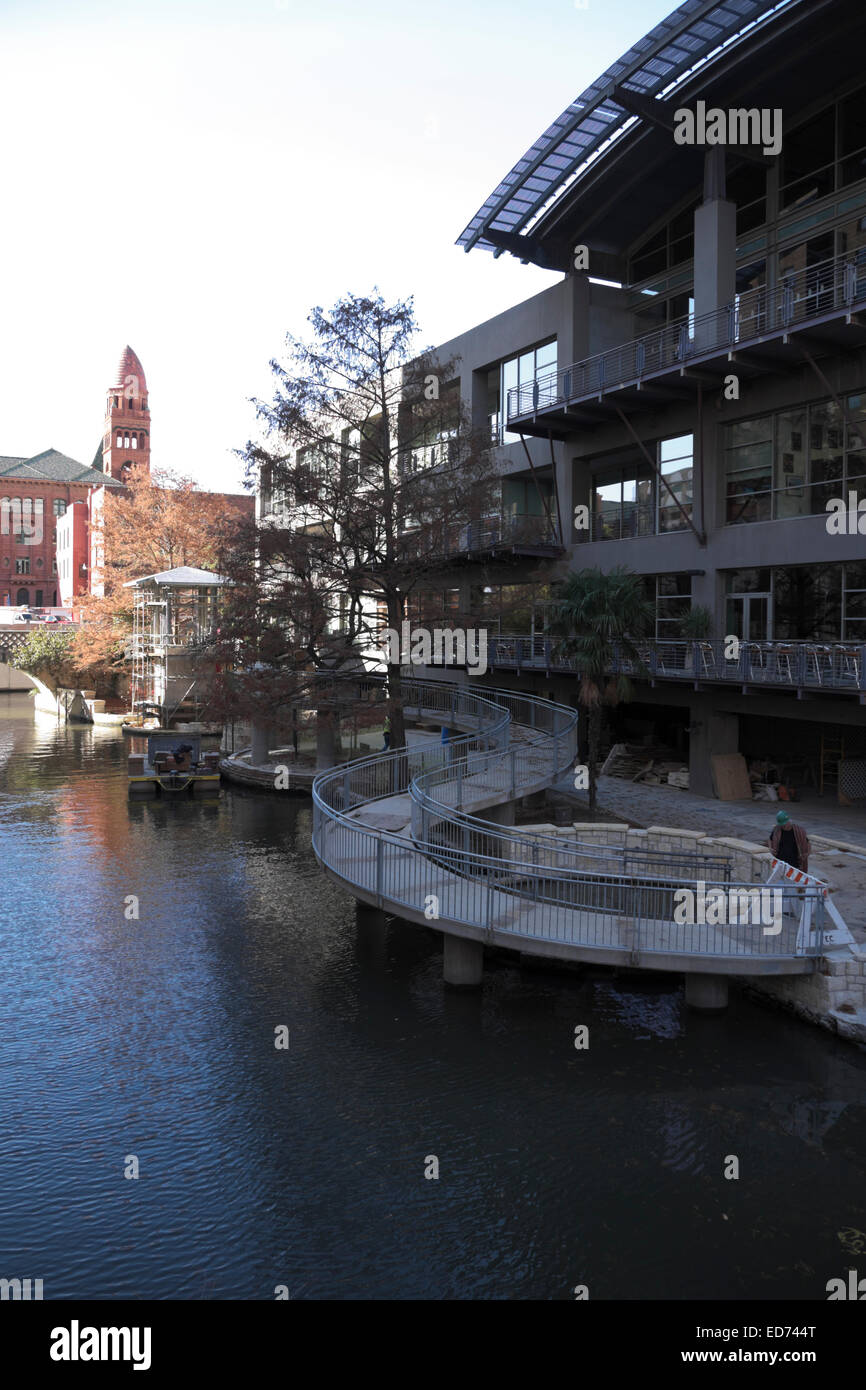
173, 764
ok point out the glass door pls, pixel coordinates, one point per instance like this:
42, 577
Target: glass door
748, 617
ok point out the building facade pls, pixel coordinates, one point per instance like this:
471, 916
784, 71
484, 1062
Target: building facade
37, 494
689, 400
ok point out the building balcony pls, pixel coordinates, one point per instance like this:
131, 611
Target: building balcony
763, 330
835, 668
501, 536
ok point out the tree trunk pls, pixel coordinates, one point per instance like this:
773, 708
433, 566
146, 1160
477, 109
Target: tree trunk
326, 742
592, 760
395, 683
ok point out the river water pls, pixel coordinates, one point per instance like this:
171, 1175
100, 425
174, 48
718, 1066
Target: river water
153, 1039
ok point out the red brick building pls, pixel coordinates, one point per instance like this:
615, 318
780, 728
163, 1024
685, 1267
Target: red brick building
34, 494
125, 441
54, 511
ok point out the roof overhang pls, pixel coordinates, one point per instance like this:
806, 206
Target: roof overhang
605, 165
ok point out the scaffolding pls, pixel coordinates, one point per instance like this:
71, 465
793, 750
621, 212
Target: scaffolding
174, 631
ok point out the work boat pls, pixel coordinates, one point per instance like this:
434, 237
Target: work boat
173, 764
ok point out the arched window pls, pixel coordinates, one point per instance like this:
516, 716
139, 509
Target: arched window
126, 441
134, 441
119, 440
23, 597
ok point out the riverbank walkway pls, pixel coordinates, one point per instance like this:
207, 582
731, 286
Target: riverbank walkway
402, 832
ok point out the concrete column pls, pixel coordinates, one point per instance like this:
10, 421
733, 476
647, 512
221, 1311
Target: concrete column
261, 738
714, 733
572, 338
707, 993
500, 815
715, 245
371, 933
462, 962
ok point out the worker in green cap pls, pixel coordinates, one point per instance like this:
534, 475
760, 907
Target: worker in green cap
790, 843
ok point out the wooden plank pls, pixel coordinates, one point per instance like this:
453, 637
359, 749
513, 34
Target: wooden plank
730, 777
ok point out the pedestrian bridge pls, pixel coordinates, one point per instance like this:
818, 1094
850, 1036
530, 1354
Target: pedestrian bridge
402, 832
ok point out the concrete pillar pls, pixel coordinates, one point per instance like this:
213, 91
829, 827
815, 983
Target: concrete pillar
368, 916
260, 740
462, 962
714, 732
707, 993
715, 246
500, 815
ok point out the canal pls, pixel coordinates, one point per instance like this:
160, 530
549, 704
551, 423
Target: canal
153, 1038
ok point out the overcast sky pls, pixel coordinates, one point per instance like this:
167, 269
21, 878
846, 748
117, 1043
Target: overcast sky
191, 176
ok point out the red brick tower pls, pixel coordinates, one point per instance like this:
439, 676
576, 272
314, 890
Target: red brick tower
125, 441
126, 438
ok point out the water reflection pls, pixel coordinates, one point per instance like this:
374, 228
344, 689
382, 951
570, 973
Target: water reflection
156, 1037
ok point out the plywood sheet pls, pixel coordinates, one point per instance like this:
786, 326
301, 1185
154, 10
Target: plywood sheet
730, 777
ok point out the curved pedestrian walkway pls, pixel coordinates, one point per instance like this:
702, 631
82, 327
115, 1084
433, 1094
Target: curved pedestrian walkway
402, 832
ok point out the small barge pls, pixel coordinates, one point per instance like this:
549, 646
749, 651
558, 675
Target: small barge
173, 764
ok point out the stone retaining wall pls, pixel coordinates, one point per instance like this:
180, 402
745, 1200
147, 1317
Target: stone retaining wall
834, 996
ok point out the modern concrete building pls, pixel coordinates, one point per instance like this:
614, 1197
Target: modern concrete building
689, 400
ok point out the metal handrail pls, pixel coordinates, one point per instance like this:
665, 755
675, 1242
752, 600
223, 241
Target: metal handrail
834, 284
517, 896
797, 665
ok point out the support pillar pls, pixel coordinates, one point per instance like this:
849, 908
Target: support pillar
715, 248
707, 993
713, 732
371, 935
499, 815
261, 738
462, 962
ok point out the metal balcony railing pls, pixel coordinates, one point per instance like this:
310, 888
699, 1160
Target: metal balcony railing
456, 869
456, 538
812, 292
837, 666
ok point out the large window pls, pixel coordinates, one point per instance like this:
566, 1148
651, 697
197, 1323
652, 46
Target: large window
792, 463
798, 603
672, 595
675, 464
522, 371
639, 503
824, 153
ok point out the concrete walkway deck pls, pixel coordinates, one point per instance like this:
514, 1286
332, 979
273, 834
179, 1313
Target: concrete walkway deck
752, 820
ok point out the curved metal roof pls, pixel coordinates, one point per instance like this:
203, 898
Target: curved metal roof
690, 38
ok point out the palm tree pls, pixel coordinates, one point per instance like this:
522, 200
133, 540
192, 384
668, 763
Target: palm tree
596, 616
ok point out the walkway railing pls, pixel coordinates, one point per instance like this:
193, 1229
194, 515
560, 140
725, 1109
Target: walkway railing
442, 868
812, 292
796, 665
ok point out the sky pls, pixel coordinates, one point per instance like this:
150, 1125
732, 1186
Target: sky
191, 177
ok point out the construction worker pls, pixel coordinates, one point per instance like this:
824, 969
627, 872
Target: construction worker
790, 843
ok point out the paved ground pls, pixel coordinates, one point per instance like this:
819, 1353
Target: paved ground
746, 820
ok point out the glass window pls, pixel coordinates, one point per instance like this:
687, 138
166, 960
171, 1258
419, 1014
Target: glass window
522, 371
750, 581
747, 187
790, 475
807, 603
673, 601
808, 161
852, 137
675, 463
749, 471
